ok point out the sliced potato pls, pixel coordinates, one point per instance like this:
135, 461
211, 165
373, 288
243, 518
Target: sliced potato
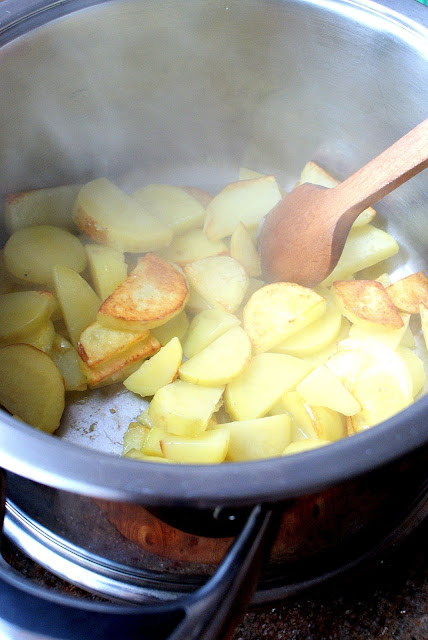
410, 292
380, 333
155, 373
175, 328
184, 408
256, 439
153, 293
42, 338
173, 206
195, 302
107, 268
415, 367
247, 201
300, 446
243, 249
268, 376
220, 280
7, 281
278, 310
366, 302
134, 437
151, 446
191, 246
207, 448
24, 312
78, 301
423, 310
97, 343
364, 247
221, 361
206, 327
310, 422
52, 206
202, 196
322, 388
31, 253
109, 216
70, 366
31, 387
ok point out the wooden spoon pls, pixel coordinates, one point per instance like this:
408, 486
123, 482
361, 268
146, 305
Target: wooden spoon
302, 238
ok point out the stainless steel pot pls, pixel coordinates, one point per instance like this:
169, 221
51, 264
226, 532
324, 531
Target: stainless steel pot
186, 92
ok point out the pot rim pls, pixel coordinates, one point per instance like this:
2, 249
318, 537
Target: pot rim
50, 461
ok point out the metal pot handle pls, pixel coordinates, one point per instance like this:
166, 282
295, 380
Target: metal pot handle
210, 613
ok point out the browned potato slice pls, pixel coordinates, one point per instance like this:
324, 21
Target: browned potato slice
410, 292
367, 301
153, 293
31, 387
98, 343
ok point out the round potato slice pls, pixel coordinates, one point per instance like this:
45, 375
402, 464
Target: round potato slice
31, 253
31, 387
23, 312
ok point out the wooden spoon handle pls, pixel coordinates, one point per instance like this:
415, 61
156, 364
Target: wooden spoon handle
400, 162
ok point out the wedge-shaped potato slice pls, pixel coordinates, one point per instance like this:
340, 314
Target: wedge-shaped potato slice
184, 408
250, 174
155, 373
309, 422
364, 247
380, 333
153, 293
98, 343
278, 310
175, 328
316, 336
243, 249
173, 206
206, 327
109, 216
191, 246
322, 356
107, 268
23, 312
78, 301
202, 196
247, 201
258, 388
415, 367
195, 302
134, 437
220, 280
322, 388
31, 253
7, 281
207, 448
423, 310
42, 338
314, 174
221, 361
300, 446
151, 446
31, 387
138, 455
119, 368
256, 439
410, 292
366, 302
52, 205
69, 364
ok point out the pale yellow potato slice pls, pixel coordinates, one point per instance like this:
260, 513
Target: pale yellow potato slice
42, 338
173, 206
249, 174
202, 196
366, 302
315, 337
97, 343
300, 446
138, 455
195, 302
155, 373
220, 280
207, 448
118, 368
423, 310
107, 268
220, 362
314, 174
153, 293
257, 439
7, 281
258, 388
31, 253
109, 216
52, 205
310, 422
322, 388
24, 312
386, 335
364, 247
151, 446
278, 310
206, 327
31, 387
415, 367
410, 292
134, 437
191, 246
322, 356
78, 301
70, 366
184, 408
175, 328
247, 201
408, 339
243, 249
